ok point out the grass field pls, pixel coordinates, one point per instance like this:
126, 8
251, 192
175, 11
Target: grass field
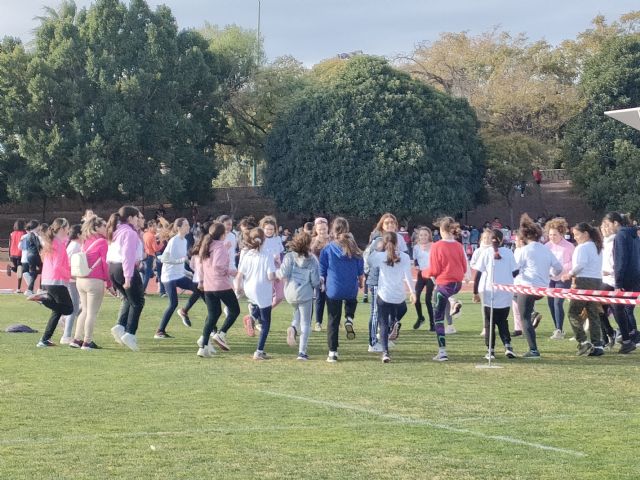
164, 413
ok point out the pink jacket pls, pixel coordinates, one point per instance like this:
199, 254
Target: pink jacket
96, 248
215, 272
563, 252
55, 264
128, 241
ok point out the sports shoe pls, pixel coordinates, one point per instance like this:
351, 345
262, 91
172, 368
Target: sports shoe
449, 329
557, 335
258, 327
45, 343
532, 355
302, 356
536, 318
318, 327
455, 309
75, 343
118, 332
516, 333
395, 331
483, 333
249, 325
17, 290
627, 347
584, 347
612, 342
38, 297
292, 335
130, 341
160, 335
258, 355
210, 347
596, 352
377, 348
365, 299
509, 353
490, 355
28, 293
8, 269
418, 323
182, 313
65, 340
204, 353
348, 326
221, 340
441, 357
90, 346
386, 358
333, 357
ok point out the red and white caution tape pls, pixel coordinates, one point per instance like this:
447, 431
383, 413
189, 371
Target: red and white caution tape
572, 294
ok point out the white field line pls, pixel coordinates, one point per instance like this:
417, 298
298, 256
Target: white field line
426, 423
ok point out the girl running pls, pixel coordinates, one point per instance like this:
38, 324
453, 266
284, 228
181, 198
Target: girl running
15, 254
481, 277
320, 240
74, 245
31, 245
421, 251
562, 249
608, 282
197, 294
273, 246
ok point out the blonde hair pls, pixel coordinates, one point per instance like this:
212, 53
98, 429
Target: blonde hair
57, 225
91, 226
559, 224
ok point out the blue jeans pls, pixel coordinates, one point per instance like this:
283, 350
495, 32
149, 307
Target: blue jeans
265, 323
159, 274
556, 305
148, 271
171, 288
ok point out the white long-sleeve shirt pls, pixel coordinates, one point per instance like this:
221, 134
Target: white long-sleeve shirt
173, 259
607, 261
392, 279
536, 263
421, 256
586, 262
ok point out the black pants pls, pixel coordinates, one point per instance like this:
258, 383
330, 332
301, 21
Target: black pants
334, 308
132, 297
623, 314
34, 267
388, 314
59, 302
214, 309
422, 283
500, 316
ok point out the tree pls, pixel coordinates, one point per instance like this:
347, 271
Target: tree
602, 154
374, 140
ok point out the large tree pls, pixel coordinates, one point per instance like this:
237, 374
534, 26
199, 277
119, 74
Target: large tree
370, 139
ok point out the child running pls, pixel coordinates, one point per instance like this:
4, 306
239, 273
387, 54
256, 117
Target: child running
421, 251
15, 253
74, 245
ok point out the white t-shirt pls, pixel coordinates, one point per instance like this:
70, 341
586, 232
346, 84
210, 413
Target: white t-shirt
25, 252
474, 261
233, 245
255, 266
607, 261
273, 246
173, 258
586, 262
421, 256
502, 273
392, 279
536, 263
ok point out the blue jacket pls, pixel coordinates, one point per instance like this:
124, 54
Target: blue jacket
626, 258
340, 272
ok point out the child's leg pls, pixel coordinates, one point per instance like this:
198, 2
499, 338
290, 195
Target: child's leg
486, 315
373, 317
447, 313
429, 301
265, 320
304, 314
334, 308
517, 319
278, 293
228, 297
442, 301
59, 302
214, 310
70, 319
386, 314
500, 319
420, 285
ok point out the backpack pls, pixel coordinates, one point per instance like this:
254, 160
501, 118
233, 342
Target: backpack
80, 264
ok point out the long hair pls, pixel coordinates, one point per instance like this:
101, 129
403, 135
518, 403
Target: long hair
382, 219
390, 246
342, 236
613, 217
301, 244
594, 234
32, 225
449, 225
19, 225
254, 238
177, 224
74, 233
496, 242
425, 229
529, 230
91, 226
269, 220
201, 233
57, 225
119, 217
216, 232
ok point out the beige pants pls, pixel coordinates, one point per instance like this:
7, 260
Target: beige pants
91, 292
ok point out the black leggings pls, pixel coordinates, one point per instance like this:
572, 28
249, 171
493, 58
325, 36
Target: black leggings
132, 297
214, 309
59, 302
421, 284
500, 316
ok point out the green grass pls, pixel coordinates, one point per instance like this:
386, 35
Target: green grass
164, 413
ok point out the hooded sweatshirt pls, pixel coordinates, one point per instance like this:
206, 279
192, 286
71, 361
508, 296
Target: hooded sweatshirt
626, 258
340, 272
55, 264
302, 275
215, 272
124, 249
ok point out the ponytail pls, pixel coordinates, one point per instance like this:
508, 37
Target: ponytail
390, 246
119, 217
112, 224
594, 234
51, 232
496, 242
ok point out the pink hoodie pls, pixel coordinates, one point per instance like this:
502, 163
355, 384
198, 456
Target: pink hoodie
215, 272
563, 252
55, 264
96, 248
127, 241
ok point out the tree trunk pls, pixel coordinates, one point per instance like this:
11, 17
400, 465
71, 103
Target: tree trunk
44, 208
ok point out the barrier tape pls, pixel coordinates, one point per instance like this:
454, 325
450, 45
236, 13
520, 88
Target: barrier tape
571, 294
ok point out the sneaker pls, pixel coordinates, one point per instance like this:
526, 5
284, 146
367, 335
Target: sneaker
449, 329
432, 328
182, 313
386, 358
557, 335
536, 318
17, 290
490, 355
348, 326
418, 323
483, 333
596, 352
395, 331
377, 348
509, 353
258, 326
292, 336
612, 342
318, 327
584, 347
130, 341
161, 335
45, 343
65, 340
249, 325
455, 309
90, 346
37, 297
365, 299
441, 357
258, 355
8, 269
302, 356
28, 293
204, 353
221, 340
333, 357
210, 347
627, 347
532, 355
75, 343
516, 333
118, 332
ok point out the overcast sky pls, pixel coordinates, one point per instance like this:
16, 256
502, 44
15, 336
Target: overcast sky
315, 30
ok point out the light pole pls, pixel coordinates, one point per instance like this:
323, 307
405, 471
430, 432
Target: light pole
254, 172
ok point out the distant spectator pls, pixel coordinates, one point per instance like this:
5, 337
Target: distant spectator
537, 175
496, 224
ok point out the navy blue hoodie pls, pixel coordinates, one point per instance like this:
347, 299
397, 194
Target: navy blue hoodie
626, 258
340, 272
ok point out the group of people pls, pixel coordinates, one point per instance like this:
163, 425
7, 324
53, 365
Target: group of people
322, 267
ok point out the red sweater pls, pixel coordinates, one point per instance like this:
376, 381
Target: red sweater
14, 242
447, 262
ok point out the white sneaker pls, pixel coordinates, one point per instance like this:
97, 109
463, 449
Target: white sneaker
204, 353
483, 333
28, 293
318, 327
210, 347
333, 357
65, 340
292, 336
489, 356
130, 341
449, 329
441, 357
377, 348
221, 340
118, 332
557, 335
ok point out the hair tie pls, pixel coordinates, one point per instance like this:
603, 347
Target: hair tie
258, 240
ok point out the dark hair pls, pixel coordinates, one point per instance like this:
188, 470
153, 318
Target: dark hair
449, 225
32, 225
301, 244
248, 223
622, 219
178, 223
308, 227
390, 245
19, 224
529, 230
223, 218
594, 234
216, 232
201, 234
496, 242
119, 217
74, 232
340, 231
151, 223
57, 225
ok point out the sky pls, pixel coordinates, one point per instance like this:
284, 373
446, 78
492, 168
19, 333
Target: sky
315, 30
